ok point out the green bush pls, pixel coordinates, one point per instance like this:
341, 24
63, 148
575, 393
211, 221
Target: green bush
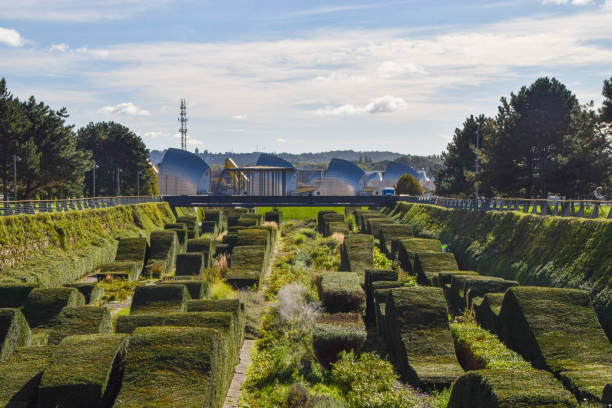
380, 260
248, 266
132, 250
371, 276
92, 291
21, 375
390, 232
406, 249
80, 320
164, 246
119, 270
206, 245
340, 292
330, 338
233, 306
197, 288
427, 265
190, 264
487, 313
160, 299
408, 184
380, 291
465, 288
85, 370
53, 249
14, 332
43, 306
357, 254
182, 237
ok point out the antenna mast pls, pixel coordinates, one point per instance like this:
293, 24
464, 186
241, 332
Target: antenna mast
183, 119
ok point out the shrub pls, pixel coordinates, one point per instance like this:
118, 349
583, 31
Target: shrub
331, 338
21, 375
197, 288
408, 184
235, 306
43, 306
465, 288
81, 320
190, 264
381, 261
14, 294
92, 291
487, 313
204, 245
358, 254
133, 250
427, 265
293, 309
341, 292
221, 290
14, 332
406, 249
84, 371
248, 265
159, 299
127, 270
164, 246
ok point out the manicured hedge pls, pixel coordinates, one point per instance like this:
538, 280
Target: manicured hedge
325, 217
133, 250
371, 276
389, 232
85, 371
340, 292
210, 227
374, 224
255, 236
557, 330
175, 366
190, 264
503, 389
487, 312
230, 239
248, 264
216, 216
91, 290
250, 220
329, 339
14, 294
164, 247
427, 265
181, 235
160, 299
465, 288
53, 249
119, 270
406, 249
43, 306
193, 226
205, 245
357, 254
81, 320
336, 227
233, 306
420, 336
20, 376
361, 218
446, 277
14, 332
274, 216
198, 288
380, 291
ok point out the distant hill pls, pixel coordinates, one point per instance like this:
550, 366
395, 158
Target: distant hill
369, 160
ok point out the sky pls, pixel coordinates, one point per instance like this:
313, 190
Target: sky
298, 76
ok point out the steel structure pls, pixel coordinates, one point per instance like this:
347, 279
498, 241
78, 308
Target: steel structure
183, 120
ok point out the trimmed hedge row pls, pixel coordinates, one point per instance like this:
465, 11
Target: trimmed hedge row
182, 237
340, 292
192, 224
371, 276
84, 371
330, 338
190, 264
14, 294
197, 288
206, 246
80, 320
164, 247
325, 217
14, 332
557, 330
487, 312
428, 264
465, 289
43, 306
162, 299
248, 265
420, 337
405, 250
357, 254
390, 232
90, 290
380, 291
233, 306
119, 270
133, 250
374, 224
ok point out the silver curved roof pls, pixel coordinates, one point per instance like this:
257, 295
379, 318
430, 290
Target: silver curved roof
346, 171
373, 178
275, 161
395, 170
185, 169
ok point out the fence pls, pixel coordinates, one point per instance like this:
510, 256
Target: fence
561, 208
70, 204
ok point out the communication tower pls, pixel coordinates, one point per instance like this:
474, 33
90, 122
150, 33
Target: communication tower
183, 120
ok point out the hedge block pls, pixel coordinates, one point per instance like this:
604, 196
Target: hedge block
487, 312
20, 376
81, 320
160, 299
133, 250
274, 216
14, 294
340, 292
193, 226
43, 305
250, 220
233, 306
374, 224
119, 270
175, 366
248, 264
14, 332
503, 389
426, 264
210, 227
380, 291
326, 217
421, 339
91, 290
197, 288
164, 246
406, 249
371, 276
446, 277
389, 232
336, 227
181, 236
85, 371
557, 330
206, 246
190, 264
464, 288
332, 335
357, 254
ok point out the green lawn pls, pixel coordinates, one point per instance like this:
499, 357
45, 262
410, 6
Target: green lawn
300, 213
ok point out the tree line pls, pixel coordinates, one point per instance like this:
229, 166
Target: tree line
541, 142
55, 161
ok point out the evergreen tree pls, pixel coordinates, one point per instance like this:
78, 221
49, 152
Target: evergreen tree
606, 109
407, 184
115, 146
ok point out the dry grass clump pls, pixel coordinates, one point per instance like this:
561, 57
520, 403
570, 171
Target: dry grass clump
338, 236
270, 224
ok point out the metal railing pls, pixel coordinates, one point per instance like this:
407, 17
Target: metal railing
69, 204
556, 207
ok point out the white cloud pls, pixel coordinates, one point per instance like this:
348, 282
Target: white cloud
125, 108
152, 135
10, 37
574, 2
280, 140
341, 76
390, 69
607, 5
96, 53
240, 117
62, 47
384, 104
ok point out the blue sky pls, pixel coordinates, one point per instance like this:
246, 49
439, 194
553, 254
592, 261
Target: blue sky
298, 76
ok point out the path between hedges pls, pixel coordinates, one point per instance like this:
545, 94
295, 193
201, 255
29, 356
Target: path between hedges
240, 372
